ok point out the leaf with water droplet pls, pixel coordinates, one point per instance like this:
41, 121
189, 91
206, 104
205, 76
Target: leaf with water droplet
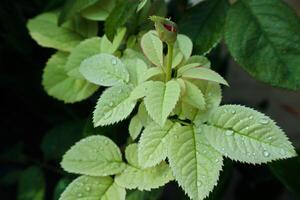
83, 159
252, 132
191, 169
90, 187
104, 69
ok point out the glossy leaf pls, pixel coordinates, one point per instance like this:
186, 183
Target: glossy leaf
94, 156
61, 86
268, 51
113, 106
93, 188
153, 48
246, 135
104, 69
204, 24
161, 99
195, 164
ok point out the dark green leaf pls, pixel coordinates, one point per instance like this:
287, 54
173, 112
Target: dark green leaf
59, 139
204, 24
264, 37
31, 184
60, 187
143, 195
288, 172
119, 16
72, 7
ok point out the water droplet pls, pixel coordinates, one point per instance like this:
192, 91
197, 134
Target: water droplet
199, 183
113, 61
270, 138
203, 176
111, 104
250, 117
217, 160
79, 195
266, 153
229, 133
264, 120
223, 149
106, 142
282, 152
233, 112
88, 189
204, 151
253, 154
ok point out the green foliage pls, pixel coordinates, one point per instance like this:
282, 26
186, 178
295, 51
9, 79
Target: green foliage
178, 117
60, 187
93, 188
31, 184
153, 48
59, 85
246, 135
99, 11
134, 176
119, 16
60, 138
104, 69
268, 51
72, 7
94, 156
287, 171
204, 24
47, 33
114, 105
194, 163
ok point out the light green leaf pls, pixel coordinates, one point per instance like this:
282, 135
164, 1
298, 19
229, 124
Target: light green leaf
118, 39
143, 115
93, 188
204, 24
265, 42
85, 49
135, 127
202, 60
73, 7
99, 11
152, 148
176, 60
246, 135
60, 86
213, 96
153, 48
161, 99
113, 106
143, 179
151, 72
195, 164
93, 156
31, 184
141, 5
204, 74
185, 45
106, 45
104, 69
193, 96
187, 67
141, 90
45, 31
136, 68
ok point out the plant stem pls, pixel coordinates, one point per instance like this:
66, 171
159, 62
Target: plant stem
169, 61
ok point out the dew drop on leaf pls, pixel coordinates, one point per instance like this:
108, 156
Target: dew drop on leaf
250, 117
217, 160
79, 195
88, 189
199, 183
229, 133
111, 104
233, 112
266, 153
264, 120
113, 61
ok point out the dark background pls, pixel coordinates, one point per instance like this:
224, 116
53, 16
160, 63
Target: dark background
27, 113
